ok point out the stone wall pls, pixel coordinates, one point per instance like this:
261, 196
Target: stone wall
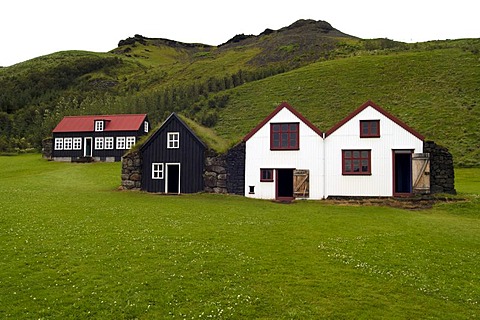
442, 175
47, 148
236, 169
215, 174
132, 171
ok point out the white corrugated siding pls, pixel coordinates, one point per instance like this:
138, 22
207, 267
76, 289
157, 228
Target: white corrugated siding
380, 182
259, 156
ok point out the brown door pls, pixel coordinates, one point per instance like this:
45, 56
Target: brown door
421, 173
301, 187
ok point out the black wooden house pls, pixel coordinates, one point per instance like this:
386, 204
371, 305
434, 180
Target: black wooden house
99, 137
173, 159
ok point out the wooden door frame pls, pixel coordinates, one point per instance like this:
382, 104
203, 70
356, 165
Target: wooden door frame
277, 197
166, 175
85, 146
394, 153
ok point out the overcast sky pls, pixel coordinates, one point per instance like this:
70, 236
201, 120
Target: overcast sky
31, 28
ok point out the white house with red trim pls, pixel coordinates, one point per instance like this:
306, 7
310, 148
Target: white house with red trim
283, 157
372, 153
369, 153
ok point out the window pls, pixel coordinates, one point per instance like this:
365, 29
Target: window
108, 142
99, 143
369, 128
284, 136
99, 124
157, 170
145, 126
356, 162
67, 144
266, 175
130, 142
121, 143
58, 143
251, 189
173, 140
77, 143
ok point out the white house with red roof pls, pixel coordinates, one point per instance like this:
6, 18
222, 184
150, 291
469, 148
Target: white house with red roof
97, 137
370, 153
373, 153
283, 157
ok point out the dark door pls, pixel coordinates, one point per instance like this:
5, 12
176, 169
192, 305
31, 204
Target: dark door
285, 184
402, 173
173, 178
88, 147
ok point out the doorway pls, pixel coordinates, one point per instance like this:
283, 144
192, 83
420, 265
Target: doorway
87, 152
172, 183
402, 172
284, 184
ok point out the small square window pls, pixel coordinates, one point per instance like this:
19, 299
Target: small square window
130, 142
99, 125
67, 144
369, 128
157, 170
77, 143
284, 136
99, 143
173, 140
251, 189
108, 142
356, 162
58, 143
120, 143
266, 175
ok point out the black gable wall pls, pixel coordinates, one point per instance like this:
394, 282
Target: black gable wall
190, 156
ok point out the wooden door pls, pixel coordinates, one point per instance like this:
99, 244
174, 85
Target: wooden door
421, 172
301, 186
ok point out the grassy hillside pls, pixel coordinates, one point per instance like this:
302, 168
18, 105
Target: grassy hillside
75, 247
433, 86
437, 92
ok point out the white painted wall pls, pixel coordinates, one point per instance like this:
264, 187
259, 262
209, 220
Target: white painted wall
380, 182
259, 156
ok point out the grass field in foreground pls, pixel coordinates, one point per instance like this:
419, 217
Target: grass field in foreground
73, 247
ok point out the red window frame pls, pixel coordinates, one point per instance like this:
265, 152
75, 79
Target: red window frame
266, 175
369, 128
284, 136
356, 162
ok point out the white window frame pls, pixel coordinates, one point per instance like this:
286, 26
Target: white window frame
67, 144
99, 143
58, 143
145, 126
99, 125
173, 140
157, 171
77, 144
130, 142
120, 143
108, 144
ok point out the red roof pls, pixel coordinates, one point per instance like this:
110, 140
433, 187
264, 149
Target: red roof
274, 113
117, 122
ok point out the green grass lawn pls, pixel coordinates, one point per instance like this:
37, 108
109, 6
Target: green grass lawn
73, 247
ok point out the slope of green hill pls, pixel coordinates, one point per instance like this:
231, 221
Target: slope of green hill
433, 86
436, 92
